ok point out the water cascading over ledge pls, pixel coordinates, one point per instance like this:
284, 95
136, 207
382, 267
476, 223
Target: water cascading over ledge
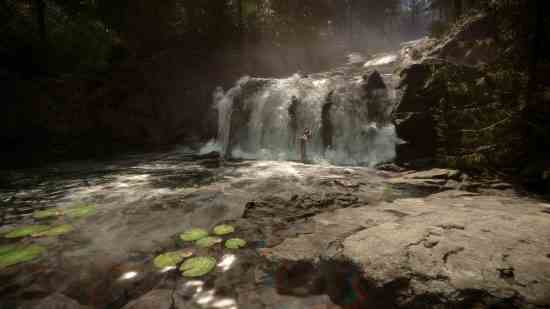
349, 115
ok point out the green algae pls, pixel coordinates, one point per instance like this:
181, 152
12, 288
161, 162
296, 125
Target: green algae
47, 214
19, 255
223, 229
55, 231
171, 259
197, 266
235, 243
193, 234
26, 231
81, 211
208, 242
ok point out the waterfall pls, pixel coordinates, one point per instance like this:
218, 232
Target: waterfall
354, 129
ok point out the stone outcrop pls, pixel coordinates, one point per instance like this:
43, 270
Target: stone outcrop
453, 249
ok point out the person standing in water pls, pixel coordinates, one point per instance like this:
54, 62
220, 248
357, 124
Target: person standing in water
293, 121
303, 144
326, 123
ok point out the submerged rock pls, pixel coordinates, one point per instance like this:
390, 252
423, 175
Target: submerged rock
54, 301
158, 299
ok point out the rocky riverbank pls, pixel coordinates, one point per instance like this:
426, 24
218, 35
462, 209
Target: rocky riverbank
319, 236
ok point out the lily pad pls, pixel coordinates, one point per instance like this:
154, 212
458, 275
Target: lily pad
194, 234
6, 248
55, 231
171, 259
208, 241
197, 266
81, 211
223, 229
20, 255
235, 243
26, 231
45, 214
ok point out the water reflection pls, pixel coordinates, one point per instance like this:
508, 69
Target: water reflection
227, 262
167, 269
225, 303
128, 275
204, 298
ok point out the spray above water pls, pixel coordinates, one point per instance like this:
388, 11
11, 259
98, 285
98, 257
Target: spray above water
349, 115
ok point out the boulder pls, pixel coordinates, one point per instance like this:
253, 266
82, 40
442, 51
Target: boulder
450, 250
159, 299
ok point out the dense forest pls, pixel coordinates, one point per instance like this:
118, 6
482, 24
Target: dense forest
137, 72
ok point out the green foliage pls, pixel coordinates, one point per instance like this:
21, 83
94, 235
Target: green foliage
197, 266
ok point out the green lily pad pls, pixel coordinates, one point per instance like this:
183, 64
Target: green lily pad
6, 248
235, 243
26, 231
20, 255
171, 259
193, 234
208, 241
45, 214
223, 229
55, 231
197, 266
81, 211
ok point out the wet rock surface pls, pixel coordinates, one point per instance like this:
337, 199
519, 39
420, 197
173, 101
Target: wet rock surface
316, 236
451, 249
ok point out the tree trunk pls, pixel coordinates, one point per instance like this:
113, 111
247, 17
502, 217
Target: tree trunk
41, 19
458, 8
535, 47
350, 14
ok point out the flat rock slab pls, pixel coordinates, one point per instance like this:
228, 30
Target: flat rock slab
437, 173
448, 245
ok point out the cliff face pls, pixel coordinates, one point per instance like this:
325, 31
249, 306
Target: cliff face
466, 101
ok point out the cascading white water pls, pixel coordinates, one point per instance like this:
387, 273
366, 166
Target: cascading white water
254, 120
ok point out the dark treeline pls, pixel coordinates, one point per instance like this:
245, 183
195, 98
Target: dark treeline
67, 36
